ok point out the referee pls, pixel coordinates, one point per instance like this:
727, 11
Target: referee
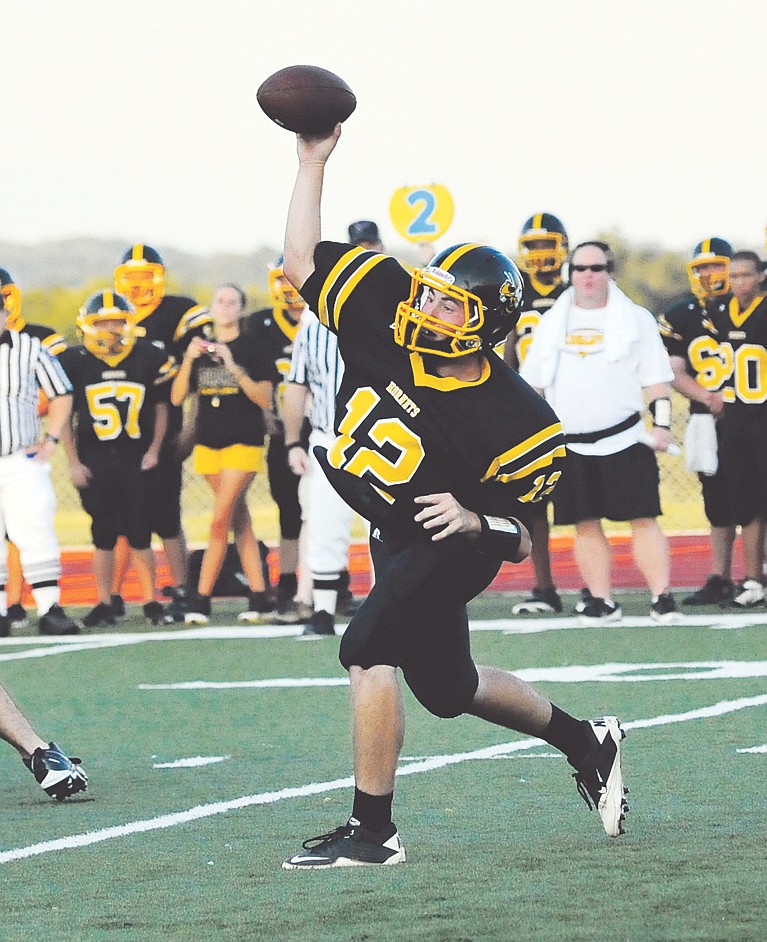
316, 367
27, 500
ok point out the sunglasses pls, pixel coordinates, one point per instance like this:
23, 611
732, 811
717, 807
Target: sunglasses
597, 268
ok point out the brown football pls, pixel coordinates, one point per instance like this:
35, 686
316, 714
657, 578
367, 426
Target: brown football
306, 99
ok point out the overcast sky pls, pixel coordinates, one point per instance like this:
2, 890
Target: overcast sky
138, 120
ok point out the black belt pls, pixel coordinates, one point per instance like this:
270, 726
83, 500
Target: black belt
588, 438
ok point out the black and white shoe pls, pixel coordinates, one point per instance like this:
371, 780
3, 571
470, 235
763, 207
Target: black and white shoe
197, 610
664, 611
17, 616
117, 602
100, 615
351, 845
583, 601
748, 594
598, 611
716, 591
320, 625
57, 774
156, 614
539, 602
56, 622
599, 775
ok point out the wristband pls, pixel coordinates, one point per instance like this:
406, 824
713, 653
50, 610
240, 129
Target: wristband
500, 537
660, 410
51, 438
293, 445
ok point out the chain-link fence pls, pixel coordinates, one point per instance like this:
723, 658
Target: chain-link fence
680, 493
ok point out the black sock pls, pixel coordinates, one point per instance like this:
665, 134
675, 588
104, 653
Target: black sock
372, 811
258, 602
288, 585
567, 734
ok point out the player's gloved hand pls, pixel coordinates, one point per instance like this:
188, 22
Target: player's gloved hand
58, 776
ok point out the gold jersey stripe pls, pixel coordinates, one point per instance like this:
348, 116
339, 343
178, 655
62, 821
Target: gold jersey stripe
194, 317
330, 281
523, 448
542, 462
351, 283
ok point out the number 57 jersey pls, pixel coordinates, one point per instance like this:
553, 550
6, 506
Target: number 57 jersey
114, 405
403, 431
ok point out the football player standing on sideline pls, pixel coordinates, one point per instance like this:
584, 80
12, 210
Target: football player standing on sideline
692, 345
58, 776
442, 448
593, 355
27, 499
740, 323
542, 253
169, 322
121, 387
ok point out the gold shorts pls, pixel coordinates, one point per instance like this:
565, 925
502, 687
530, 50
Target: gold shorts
237, 457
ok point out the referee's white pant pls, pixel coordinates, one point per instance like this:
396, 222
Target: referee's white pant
27, 508
327, 518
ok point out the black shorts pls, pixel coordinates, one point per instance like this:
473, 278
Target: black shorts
283, 485
164, 486
415, 618
116, 498
716, 500
623, 486
743, 465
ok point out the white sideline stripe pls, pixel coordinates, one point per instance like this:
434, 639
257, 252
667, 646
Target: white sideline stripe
754, 749
191, 763
238, 684
318, 788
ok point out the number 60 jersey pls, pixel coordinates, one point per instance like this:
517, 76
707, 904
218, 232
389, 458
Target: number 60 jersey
403, 431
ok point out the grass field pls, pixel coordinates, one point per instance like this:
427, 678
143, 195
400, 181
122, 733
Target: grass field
500, 846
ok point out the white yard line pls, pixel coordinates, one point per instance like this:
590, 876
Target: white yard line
317, 788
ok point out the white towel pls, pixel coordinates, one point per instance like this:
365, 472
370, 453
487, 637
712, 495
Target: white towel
621, 331
701, 454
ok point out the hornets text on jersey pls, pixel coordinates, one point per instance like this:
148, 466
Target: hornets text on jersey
405, 432
111, 403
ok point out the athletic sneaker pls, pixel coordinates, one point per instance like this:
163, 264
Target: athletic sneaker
156, 614
320, 625
197, 610
259, 610
17, 616
664, 611
292, 613
748, 593
585, 598
179, 604
56, 622
599, 775
99, 615
118, 605
539, 602
598, 611
716, 591
58, 776
351, 845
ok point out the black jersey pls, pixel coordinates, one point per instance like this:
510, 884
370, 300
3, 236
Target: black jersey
536, 300
688, 332
114, 404
273, 333
225, 415
740, 355
493, 443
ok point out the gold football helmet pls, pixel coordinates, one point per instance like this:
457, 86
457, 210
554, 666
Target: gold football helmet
542, 244
11, 300
287, 303
140, 277
709, 270
108, 326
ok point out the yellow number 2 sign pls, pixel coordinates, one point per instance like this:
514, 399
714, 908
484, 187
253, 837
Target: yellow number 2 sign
422, 213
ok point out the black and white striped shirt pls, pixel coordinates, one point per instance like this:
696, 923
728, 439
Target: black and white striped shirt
25, 367
316, 363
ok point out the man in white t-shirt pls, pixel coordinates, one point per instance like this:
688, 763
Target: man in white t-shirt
596, 358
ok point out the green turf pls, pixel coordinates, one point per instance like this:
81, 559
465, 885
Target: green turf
498, 849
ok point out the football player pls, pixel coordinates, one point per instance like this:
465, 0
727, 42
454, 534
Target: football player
274, 329
443, 448
691, 341
121, 416
542, 253
54, 343
738, 359
169, 322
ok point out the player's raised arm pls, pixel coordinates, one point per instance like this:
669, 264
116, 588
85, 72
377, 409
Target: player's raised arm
303, 230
